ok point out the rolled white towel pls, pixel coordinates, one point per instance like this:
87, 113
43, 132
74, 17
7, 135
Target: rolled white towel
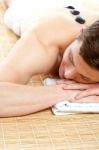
25, 13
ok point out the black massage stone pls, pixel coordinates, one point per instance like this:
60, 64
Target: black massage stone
75, 12
70, 7
80, 20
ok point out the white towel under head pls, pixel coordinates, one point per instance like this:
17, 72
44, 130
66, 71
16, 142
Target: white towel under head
65, 107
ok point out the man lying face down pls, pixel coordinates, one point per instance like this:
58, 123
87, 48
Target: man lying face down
50, 42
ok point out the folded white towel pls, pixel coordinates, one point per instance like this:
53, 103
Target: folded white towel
25, 13
65, 107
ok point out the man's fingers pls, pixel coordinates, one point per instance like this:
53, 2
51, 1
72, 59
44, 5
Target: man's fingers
76, 87
80, 86
82, 94
86, 93
64, 81
72, 85
89, 99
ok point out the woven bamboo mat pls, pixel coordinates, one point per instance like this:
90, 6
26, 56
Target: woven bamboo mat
43, 130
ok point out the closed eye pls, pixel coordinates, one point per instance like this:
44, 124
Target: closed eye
85, 78
71, 58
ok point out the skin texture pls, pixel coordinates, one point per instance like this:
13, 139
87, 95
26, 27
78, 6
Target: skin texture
40, 50
15, 103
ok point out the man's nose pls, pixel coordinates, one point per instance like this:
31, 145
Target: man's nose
70, 73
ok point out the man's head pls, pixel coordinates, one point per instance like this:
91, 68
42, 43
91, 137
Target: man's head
81, 59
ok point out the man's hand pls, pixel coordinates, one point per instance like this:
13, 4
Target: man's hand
85, 89
89, 92
89, 99
65, 81
72, 85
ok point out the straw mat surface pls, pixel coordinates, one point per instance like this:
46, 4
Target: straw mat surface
42, 130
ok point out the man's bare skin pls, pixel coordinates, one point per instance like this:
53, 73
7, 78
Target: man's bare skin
39, 50
7, 2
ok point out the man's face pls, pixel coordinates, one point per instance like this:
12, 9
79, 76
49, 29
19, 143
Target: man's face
75, 68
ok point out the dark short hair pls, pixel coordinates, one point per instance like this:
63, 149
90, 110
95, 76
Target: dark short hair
90, 45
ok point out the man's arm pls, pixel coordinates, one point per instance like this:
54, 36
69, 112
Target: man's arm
37, 51
18, 100
28, 57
